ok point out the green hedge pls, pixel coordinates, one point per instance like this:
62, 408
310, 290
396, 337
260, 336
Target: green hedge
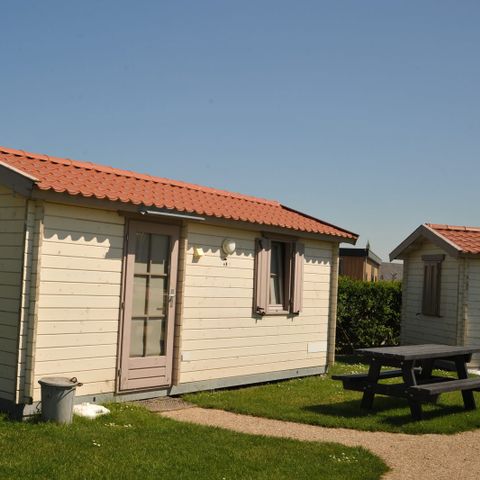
368, 314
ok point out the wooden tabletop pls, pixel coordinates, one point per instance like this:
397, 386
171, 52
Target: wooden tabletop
417, 352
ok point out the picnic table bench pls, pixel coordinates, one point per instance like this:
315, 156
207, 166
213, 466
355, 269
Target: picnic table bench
415, 364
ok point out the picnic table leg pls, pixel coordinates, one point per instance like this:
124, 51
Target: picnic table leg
408, 374
427, 367
372, 380
468, 399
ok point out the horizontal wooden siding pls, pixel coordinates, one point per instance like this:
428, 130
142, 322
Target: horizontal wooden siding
12, 233
79, 298
417, 328
217, 335
472, 306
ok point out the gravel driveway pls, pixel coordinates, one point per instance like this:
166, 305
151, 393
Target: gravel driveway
429, 457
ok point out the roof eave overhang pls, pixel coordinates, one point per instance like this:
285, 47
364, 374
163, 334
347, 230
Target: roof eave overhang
133, 209
352, 241
375, 258
469, 255
424, 231
354, 238
16, 180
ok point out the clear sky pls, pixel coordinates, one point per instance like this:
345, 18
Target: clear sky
362, 113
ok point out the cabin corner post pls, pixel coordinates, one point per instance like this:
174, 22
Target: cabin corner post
462, 302
29, 301
182, 266
332, 317
403, 308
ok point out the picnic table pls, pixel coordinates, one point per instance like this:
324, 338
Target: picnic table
414, 365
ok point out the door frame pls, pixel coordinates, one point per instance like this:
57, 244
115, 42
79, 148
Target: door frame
123, 355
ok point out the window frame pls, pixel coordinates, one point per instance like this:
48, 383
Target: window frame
293, 276
432, 284
287, 280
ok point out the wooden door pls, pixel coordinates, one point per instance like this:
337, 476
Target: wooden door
149, 306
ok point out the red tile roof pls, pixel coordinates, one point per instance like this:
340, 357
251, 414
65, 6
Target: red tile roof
90, 180
465, 239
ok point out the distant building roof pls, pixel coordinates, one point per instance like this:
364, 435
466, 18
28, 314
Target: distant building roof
360, 252
454, 239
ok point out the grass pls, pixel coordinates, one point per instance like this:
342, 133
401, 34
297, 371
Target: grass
133, 443
322, 401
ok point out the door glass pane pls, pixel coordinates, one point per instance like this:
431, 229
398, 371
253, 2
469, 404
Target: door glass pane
157, 296
159, 254
136, 337
142, 247
149, 295
155, 337
139, 295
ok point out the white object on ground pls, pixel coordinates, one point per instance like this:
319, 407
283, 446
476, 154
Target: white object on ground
90, 410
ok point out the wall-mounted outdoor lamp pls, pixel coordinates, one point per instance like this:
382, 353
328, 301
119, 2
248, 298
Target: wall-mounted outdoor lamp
228, 246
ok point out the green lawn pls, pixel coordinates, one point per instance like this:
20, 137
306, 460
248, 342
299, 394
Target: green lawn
322, 401
133, 443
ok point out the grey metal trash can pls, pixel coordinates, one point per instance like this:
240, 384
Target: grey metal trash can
57, 398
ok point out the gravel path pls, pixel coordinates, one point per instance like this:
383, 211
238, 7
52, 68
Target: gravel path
426, 457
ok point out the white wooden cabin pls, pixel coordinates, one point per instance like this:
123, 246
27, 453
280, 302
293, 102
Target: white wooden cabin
441, 286
141, 286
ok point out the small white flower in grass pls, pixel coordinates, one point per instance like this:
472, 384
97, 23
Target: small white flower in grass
344, 458
96, 444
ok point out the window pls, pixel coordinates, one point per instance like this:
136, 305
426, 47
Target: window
432, 274
279, 276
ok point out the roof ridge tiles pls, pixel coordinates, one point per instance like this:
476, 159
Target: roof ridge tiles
139, 176
458, 228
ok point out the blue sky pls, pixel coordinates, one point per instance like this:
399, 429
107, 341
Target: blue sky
362, 113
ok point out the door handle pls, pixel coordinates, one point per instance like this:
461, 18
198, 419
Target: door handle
171, 295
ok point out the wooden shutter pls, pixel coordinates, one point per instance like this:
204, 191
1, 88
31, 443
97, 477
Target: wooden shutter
262, 275
432, 274
297, 287
426, 290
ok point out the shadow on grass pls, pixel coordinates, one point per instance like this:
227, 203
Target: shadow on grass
350, 359
390, 411
31, 420
405, 418
351, 408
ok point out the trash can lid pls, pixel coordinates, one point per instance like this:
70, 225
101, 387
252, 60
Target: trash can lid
59, 382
